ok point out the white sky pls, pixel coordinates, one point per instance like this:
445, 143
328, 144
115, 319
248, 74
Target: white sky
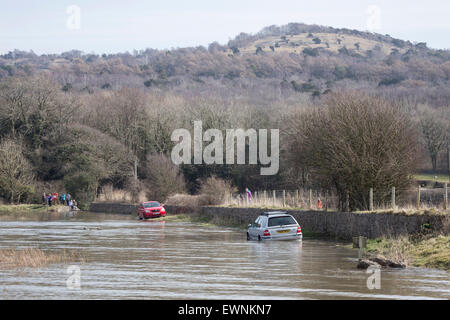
109, 26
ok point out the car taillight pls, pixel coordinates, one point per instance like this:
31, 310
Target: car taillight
266, 233
299, 230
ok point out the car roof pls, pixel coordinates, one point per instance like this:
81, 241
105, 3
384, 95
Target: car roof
150, 201
275, 213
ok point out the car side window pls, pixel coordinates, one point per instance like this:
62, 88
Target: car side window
257, 222
263, 222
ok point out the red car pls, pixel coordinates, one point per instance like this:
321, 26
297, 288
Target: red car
151, 209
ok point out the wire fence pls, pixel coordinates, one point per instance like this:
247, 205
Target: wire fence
309, 199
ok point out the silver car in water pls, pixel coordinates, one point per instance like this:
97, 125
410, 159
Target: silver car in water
276, 225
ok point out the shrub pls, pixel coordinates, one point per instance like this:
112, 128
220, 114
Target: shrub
215, 190
233, 74
187, 200
390, 81
340, 72
311, 52
235, 49
130, 195
344, 50
304, 87
163, 178
67, 87
398, 43
83, 188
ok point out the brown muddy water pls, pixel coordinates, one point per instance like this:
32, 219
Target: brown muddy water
131, 259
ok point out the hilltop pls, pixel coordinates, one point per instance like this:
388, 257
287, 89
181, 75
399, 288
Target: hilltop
295, 37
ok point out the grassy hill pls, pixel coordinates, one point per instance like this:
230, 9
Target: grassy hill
295, 59
332, 42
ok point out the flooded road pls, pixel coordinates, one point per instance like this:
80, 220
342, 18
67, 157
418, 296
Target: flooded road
131, 259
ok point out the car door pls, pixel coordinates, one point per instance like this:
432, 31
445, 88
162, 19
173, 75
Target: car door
253, 230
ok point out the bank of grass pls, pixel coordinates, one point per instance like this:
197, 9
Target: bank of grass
35, 258
407, 211
29, 208
430, 251
399, 211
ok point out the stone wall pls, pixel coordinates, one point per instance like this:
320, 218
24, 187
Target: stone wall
118, 208
343, 225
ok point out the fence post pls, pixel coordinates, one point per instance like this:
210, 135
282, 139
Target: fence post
273, 197
246, 198
347, 201
296, 197
326, 201
310, 199
256, 198
371, 199
418, 196
265, 197
393, 198
362, 243
284, 198
445, 197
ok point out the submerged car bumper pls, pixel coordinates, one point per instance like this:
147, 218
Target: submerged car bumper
152, 214
297, 236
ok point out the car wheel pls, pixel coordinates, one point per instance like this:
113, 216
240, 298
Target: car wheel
140, 217
248, 237
259, 238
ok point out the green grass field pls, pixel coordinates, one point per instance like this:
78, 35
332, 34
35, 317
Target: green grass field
438, 177
432, 252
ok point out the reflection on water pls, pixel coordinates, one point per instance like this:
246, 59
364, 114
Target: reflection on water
128, 258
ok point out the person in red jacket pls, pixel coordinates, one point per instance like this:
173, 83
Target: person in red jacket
55, 198
319, 204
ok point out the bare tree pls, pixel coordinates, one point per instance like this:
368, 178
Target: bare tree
163, 177
434, 130
354, 143
33, 108
16, 173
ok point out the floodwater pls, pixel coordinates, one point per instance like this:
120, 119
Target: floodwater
131, 259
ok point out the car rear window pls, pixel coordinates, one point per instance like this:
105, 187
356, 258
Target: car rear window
281, 221
151, 204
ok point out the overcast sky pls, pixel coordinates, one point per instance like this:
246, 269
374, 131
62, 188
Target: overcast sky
109, 26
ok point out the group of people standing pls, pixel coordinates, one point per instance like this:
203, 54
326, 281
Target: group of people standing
54, 199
